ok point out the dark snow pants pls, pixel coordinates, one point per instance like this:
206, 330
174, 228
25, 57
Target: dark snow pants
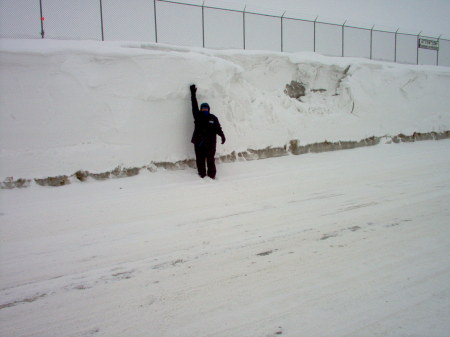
204, 155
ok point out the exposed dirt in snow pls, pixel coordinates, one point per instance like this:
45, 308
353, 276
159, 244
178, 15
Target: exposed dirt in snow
293, 148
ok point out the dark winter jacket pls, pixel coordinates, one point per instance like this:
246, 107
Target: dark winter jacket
206, 126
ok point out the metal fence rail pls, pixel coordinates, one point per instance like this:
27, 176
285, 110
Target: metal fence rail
209, 26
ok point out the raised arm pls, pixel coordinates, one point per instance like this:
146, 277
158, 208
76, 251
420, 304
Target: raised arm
195, 109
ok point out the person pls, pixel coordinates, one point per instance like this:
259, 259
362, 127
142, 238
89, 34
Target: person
207, 126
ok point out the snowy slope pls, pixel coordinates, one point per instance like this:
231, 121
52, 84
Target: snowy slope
85, 105
349, 243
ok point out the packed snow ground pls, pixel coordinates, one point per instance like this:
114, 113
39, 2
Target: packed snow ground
348, 243
86, 105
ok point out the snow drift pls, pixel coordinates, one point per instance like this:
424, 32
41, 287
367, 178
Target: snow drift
70, 105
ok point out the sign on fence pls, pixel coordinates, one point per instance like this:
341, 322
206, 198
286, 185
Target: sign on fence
429, 44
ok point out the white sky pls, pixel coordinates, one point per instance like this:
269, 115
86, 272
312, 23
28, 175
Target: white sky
429, 16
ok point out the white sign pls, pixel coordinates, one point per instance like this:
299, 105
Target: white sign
429, 44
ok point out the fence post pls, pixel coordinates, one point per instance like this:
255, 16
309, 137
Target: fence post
417, 46
203, 23
343, 26
282, 31
395, 47
243, 22
156, 26
101, 20
371, 41
41, 19
437, 52
315, 32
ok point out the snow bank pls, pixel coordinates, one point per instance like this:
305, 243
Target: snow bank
84, 105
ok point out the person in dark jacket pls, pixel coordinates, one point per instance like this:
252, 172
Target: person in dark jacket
207, 126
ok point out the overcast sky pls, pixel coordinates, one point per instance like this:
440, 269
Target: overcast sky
429, 16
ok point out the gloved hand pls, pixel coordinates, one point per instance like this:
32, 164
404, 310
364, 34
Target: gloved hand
193, 89
223, 139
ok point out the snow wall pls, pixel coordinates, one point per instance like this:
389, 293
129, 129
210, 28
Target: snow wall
84, 105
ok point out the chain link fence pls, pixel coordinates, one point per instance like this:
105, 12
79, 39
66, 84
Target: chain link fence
195, 23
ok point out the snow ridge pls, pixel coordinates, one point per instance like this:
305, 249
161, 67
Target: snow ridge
69, 106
